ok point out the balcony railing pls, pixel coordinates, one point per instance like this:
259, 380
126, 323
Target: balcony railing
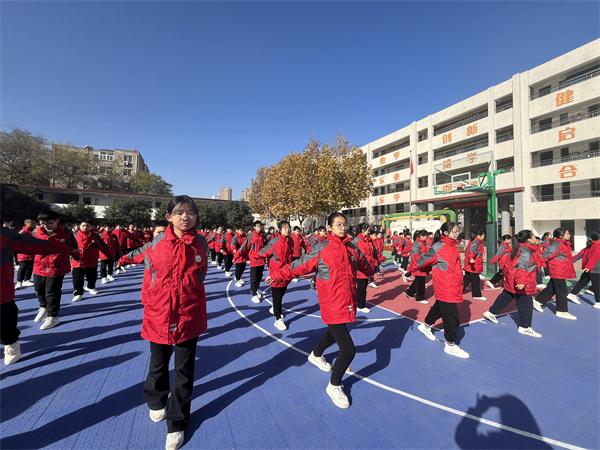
504, 137
559, 196
504, 107
561, 86
461, 149
562, 122
460, 122
574, 157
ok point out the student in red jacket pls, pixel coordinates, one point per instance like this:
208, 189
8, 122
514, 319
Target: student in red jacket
85, 264
210, 240
559, 260
336, 262
250, 249
419, 249
25, 261
226, 249
501, 258
107, 260
405, 251
590, 265
11, 241
474, 264
519, 282
279, 250
239, 258
363, 242
174, 302
379, 245
396, 242
299, 244
50, 270
446, 271
218, 247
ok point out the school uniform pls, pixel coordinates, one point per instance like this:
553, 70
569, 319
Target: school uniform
559, 260
475, 251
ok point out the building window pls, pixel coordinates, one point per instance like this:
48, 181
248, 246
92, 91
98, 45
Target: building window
399, 207
566, 191
504, 104
594, 146
504, 134
422, 135
595, 187
422, 158
87, 200
423, 181
547, 192
127, 172
157, 204
544, 91
106, 156
545, 124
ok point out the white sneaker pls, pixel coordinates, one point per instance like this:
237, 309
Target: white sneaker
364, 310
423, 302
77, 298
104, 280
18, 285
41, 315
587, 291
214, 263
574, 299
238, 283
565, 315
110, 278
12, 353
174, 440
538, 306
280, 324
596, 305
405, 279
529, 332
27, 283
373, 285
337, 396
400, 269
242, 281
219, 267
490, 285
455, 350
228, 274
122, 268
320, 362
295, 280
49, 322
91, 291
490, 316
255, 299
157, 415
272, 311
540, 286
426, 330
483, 299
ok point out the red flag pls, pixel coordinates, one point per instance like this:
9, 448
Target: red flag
412, 168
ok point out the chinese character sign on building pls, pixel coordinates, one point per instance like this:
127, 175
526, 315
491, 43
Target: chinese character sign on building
566, 134
564, 97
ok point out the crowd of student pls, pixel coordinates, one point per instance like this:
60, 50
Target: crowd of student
340, 263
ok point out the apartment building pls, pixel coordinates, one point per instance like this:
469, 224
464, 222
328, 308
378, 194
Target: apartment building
540, 128
128, 162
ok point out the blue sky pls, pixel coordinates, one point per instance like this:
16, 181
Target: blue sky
209, 92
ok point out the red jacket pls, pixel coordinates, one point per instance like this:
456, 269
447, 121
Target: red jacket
148, 236
559, 257
446, 271
313, 240
364, 244
251, 246
236, 243
226, 243
57, 264
475, 250
379, 245
336, 262
419, 249
406, 247
123, 236
279, 250
299, 244
590, 257
503, 256
89, 245
11, 241
522, 270
112, 242
25, 256
210, 239
173, 292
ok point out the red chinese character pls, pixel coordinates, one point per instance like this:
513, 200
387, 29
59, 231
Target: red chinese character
396, 155
396, 176
471, 130
447, 164
564, 97
568, 171
471, 157
382, 160
447, 138
566, 134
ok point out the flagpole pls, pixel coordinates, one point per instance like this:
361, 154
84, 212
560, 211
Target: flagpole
410, 184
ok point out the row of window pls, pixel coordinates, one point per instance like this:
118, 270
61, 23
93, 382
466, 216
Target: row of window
578, 76
567, 190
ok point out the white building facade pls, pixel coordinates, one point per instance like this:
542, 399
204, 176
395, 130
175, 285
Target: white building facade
541, 127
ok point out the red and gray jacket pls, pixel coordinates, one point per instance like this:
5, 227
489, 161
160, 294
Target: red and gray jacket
590, 257
112, 242
559, 259
89, 245
406, 249
57, 264
522, 270
365, 245
336, 262
226, 243
446, 270
503, 255
251, 248
419, 249
10, 242
173, 292
25, 256
218, 244
123, 236
279, 250
313, 240
475, 250
299, 244
379, 246
236, 243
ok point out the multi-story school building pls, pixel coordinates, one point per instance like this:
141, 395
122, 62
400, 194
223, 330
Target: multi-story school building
541, 127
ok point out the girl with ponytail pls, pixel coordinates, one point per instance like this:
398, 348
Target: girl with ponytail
519, 282
590, 265
474, 264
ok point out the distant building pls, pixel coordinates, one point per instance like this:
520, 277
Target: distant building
225, 193
128, 162
245, 195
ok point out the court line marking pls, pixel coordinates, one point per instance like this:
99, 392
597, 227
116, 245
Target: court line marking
414, 397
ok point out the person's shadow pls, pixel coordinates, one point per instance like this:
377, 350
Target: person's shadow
513, 412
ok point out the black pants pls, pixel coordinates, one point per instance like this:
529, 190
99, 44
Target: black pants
417, 287
239, 270
228, 262
213, 255
337, 333
449, 314
524, 306
106, 267
25, 270
473, 279
595, 278
157, 389
559, 289
278, 294
497, 277
404, 263
256, 274
9, 316
79, 273
539, 278
49, 290
583, 281
219, 259
361, 292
